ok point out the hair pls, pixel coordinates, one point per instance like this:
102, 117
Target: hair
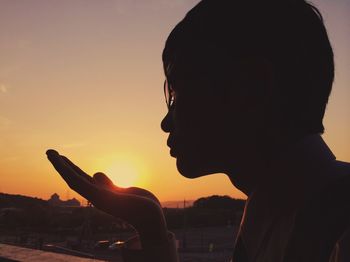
289, 34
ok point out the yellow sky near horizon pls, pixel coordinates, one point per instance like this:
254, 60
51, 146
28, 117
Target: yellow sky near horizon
85, 78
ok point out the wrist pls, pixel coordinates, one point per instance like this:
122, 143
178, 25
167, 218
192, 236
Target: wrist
150, 238
154, 230
165, 251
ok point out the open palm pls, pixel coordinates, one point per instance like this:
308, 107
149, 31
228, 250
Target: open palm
137, 206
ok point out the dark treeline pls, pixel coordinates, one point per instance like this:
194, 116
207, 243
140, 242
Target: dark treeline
26, 213
207, 211
19, 201
219, 202
22, 212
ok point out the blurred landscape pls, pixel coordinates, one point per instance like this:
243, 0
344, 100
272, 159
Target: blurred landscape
205, 228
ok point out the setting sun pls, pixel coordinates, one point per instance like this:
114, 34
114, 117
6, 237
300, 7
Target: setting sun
124, 168
123, 173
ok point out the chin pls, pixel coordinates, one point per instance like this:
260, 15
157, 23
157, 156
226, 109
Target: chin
190, 169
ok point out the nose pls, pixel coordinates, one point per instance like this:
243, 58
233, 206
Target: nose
167, 123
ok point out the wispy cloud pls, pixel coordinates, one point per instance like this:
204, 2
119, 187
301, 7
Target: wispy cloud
3, 88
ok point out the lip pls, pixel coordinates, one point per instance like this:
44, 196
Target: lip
170, 144
173, 152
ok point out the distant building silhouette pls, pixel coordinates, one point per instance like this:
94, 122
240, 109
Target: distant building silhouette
56, 201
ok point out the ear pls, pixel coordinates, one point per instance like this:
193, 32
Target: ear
257, 77
253, 82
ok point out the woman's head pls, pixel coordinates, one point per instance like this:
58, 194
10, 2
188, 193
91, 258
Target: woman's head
242, 68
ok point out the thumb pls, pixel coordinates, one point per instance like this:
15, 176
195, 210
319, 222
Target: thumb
103, 180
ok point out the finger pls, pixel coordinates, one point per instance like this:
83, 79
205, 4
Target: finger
143, 214
135, 209
141, 192
77, 169
74, 181
103, 180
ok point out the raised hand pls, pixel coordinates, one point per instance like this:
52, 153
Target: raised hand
137, 206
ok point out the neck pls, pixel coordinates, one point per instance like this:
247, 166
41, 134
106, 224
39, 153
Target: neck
282, 162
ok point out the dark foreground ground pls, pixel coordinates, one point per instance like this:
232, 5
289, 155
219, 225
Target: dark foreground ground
211, 244
10, 253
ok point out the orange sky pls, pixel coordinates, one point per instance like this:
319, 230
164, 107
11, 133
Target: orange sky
85, 77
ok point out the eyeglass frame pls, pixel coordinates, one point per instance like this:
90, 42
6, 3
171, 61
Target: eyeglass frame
169, 99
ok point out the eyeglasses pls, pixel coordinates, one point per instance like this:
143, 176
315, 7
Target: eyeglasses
169, 94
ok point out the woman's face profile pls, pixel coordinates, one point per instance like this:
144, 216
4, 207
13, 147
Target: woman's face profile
212, 124
199, 128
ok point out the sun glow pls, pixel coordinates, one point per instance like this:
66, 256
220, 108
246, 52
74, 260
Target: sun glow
123, 174
124, 169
